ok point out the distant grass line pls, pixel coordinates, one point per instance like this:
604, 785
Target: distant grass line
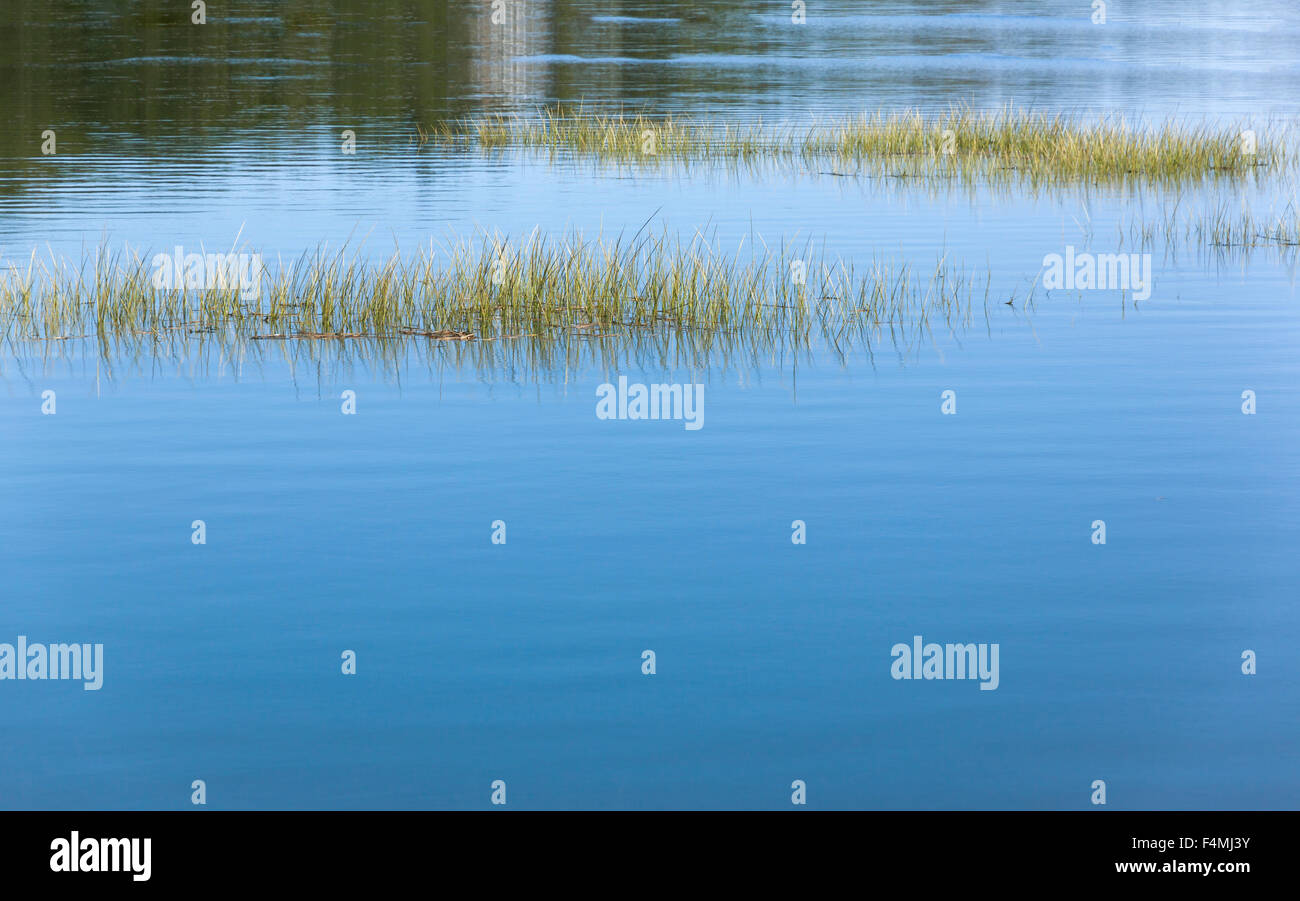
1041, 145
538, 289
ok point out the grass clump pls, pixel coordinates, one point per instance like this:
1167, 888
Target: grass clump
1041, 146
539, 289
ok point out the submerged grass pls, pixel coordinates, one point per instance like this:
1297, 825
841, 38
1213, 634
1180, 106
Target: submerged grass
1042, 146
1218, 227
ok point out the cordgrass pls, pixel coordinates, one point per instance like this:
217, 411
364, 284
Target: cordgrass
1039, 145
494, 289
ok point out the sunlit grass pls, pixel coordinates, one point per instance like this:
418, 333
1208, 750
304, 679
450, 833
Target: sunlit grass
1040, 145
493, 288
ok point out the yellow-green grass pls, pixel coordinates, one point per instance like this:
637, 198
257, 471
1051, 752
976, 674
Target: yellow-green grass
495, 289
961, 139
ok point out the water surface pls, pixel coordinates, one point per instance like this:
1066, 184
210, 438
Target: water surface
522, 662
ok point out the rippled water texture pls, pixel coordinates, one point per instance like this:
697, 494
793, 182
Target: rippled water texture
522, 662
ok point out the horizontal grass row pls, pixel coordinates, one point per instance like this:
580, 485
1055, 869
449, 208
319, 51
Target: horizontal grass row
1040, 145
544, 289
494, 289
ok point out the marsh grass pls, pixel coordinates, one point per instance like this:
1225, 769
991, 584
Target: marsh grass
540, 291
1219, 228
959, 141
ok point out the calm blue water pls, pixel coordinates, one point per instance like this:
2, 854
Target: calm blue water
522, 662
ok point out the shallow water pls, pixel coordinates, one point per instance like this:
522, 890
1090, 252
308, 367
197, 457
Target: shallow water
522, 662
